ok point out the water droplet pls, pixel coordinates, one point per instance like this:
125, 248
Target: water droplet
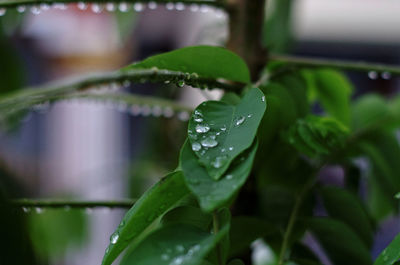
88, 210
82, 6
181, 83
386, 75
220, 13
35, 10
152, 5
179, 6
194, 76
209, 142
204, 9
138, 7
60, 6
239, 120
165, 257
26, 209
44, 7
196, 146
397, 196
122, 107
146, 110
223, 150
169, 6
38, 210
372, 75
219, 161
183, 116
157, 111
230, 148
229, 176
135, 110
223, 128
168, 112
198, 113
180, 248
198, 119
122, 224
21, 9
107, 250
123, 7
263, 98
194, 7
218, 133
177, 261
202, 128
97, 8
110, 7
249, 116
114, 238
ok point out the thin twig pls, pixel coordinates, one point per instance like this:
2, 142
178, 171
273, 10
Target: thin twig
29, 203
339, 64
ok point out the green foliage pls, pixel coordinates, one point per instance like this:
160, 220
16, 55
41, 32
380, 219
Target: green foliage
391, 254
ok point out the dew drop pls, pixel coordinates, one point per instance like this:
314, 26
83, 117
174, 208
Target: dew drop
35, 10
165, 257
372, 75
38, 210
194, 75
196, 146
2, 12
169, 6
179, 6
386, 75
194, 7
107, 250
198, 113
223, 150
152, 5
138, 7
209, 142
135, 110
204, 9
110, 7
239, 120
82, 6
229, 176
123, 7
122, 107
156, 111
230, 148
26, 209
202, 128
60, 6
219, 161
180, 248
397, 196
249, 116
223, 128
263, 98
177, 261
168, 112
198, 119
21, 9
181, 83
114, 238
44, 7
183, 116
146, 110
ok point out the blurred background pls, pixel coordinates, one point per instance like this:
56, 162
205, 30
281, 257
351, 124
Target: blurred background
90, 151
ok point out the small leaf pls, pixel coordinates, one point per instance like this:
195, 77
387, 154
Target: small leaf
205, 61
156, 201
211, 193
342, 245
176, 244
346, 207
391, 254
219, 132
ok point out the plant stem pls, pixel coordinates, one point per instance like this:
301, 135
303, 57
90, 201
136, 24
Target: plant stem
126, 203
216, 230
15, 3
339, 64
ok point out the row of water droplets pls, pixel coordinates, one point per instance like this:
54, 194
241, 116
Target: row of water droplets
122, 7
87, 210
375, 75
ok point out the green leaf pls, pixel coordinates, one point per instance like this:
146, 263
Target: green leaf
211, 193
188, 215
206, 61
316, 135
245, 230
176, 244
342, 245
391, 254
346, 207
156, 201
11, 72
369, 111
333, 90
236, 262
219, 132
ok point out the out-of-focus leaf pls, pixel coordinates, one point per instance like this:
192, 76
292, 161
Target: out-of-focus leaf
391, 254
317, 135
346, 207
176, 244
369, 111
153, 203
236, 262
211, 193
53, 231
11, 70
341, 243
206, 61
220, 132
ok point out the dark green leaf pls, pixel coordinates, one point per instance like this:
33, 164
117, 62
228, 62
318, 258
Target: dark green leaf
346, 207
245, 230
205, 61
333, 90
236, 262
391, 254
176, 244
211, 193
188, 215
341, 243
156, 201
219, 132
